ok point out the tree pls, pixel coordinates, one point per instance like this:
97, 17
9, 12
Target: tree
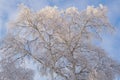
62, 42
9, 71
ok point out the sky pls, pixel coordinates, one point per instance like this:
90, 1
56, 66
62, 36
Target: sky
111, 44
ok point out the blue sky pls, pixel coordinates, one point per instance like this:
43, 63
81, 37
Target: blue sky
8, 10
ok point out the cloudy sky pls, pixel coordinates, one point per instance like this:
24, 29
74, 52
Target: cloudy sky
8, 10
